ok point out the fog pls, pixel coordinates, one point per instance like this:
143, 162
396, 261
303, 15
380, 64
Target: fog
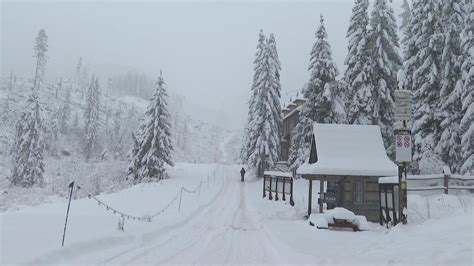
205, 49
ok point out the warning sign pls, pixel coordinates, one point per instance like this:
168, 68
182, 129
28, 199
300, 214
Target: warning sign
403, 147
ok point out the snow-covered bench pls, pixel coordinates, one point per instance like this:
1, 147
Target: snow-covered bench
339, 217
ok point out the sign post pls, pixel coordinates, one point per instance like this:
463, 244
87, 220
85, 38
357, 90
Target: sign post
403, 146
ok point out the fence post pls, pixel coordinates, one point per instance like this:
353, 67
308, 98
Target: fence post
180, 196
447, 174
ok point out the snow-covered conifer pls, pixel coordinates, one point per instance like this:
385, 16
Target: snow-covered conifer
40, 48
449, 143
265, 117
361, 105
91, 119
65, 113
324, 98
423, 73
467, 95
405, 25
152, 147
28, 147
385, 64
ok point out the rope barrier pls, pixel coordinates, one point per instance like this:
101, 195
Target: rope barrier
147, 218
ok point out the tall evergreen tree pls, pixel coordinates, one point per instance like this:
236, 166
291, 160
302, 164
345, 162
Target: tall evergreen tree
361, 107
91, 119
265, 118
385, 64
65, 113
423, 73
323, 97
467, 94
449, 144
251, 133
27, 152
40, 48
152, 144
28, 147
405, 25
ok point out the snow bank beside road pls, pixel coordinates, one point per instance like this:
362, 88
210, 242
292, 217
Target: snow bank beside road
90, 228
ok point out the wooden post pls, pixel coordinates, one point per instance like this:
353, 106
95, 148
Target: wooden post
284, 199
71, 186
292, 203
310, 196
276, 188
264, 177
403, 204
321, 193
446, 182
270, 189
395, 219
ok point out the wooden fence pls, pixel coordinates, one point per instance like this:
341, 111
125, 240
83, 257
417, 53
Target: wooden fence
278, 185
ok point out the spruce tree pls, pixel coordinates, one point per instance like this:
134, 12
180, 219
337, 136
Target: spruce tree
152, 143
385, 64
405, 25
423, 73
467, 94
40, 48
265, 117
28, 147
449, 144
91, 119
251, 134
65, 113
324, 101
361, 105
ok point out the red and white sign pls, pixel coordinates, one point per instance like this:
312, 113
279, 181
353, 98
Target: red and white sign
403, 148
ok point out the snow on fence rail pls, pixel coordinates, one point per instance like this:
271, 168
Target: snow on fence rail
445, 182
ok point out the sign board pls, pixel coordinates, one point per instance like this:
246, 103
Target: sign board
403, 105
330, 197
403, 147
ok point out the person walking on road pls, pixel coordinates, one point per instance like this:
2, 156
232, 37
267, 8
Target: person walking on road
242, 173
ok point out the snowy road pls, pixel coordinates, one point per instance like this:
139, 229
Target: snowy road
222, 231
229, 223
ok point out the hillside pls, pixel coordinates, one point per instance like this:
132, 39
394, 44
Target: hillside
194, 140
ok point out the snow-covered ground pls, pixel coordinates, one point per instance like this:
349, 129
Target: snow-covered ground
228, 223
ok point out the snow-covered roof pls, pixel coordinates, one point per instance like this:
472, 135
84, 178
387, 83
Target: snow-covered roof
352, 150
278, 173
297, 109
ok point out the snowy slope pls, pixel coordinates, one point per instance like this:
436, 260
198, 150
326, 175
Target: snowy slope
229, 223
194, 141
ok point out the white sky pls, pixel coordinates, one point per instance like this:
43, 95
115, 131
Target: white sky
206, 49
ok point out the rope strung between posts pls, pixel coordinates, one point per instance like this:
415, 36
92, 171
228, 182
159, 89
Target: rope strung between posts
146, 218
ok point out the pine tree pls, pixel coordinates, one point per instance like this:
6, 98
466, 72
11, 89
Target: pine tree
423, 73
449, 144
467, 94
91, 119
385, 64
265, 118
28, 147
40, 48
361, 107
152, 144
65, 113
258, 68
324, 100
405, 27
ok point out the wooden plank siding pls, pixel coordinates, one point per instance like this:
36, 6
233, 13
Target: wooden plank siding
371, 197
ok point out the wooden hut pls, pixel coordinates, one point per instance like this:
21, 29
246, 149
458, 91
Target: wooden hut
349, 159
